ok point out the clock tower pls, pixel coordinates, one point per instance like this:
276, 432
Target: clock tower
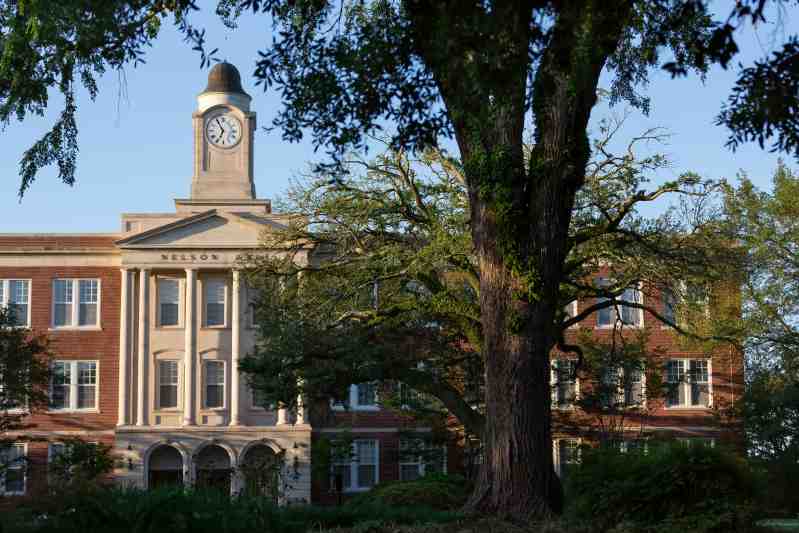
223, 142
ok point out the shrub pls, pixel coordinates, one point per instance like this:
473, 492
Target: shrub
668, 487
177, 511
435, 491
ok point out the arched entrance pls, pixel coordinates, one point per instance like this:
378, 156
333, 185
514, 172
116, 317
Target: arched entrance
260, 471
213, 468
165, 467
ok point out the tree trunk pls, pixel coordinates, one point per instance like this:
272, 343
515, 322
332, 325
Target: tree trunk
520, 211
517, 478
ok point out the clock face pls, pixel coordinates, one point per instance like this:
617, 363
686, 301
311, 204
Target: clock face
223, 130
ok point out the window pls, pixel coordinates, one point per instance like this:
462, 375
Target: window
367, 395
563, 383
567, 454
168, 302
214, 303
259, 401
688, 442
253, 297
622, 387
630, 316
73, 385
669, 304
15, 296
689, 384
361, 397
54, 450
168, 376
359, 471
12, 470
633, 446
214, 384
418, 458
76, 303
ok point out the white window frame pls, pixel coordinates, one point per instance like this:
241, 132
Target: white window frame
687, 382
553, 385
181, 301
615, 310
556, 455
205, 384
73, 387
226, 303
353, 463
22, 466
5, 295
419, 462
179, 385
75, 316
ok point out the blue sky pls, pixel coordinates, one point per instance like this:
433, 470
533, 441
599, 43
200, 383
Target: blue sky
136, 138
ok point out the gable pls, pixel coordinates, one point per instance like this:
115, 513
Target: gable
207, 230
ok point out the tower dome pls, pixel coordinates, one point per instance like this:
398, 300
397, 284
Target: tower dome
224, 78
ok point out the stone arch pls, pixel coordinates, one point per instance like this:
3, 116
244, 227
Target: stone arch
260, 468
214, 463
165, 465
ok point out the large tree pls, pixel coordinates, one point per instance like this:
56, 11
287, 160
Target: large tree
472, 70
767, 225
392, 290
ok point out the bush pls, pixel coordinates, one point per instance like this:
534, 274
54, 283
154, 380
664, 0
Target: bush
434, 491
177, 511
669, 487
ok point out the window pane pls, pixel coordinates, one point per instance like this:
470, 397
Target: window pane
565, 387
633, 387
669, 305
604, 317
631, 315
62, 307
18, 301
344, 471
87, 310
15, 480
367, 394
366, 476
366, 452
169, 301
87, 380
168, 384
2, 292
214, 302
214, 384
699, 383
409, 472
62, 377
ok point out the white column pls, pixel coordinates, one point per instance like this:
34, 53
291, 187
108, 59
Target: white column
234, 350
144, 344
124, 349
281, 415
190, 326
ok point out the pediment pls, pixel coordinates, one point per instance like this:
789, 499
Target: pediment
210, 229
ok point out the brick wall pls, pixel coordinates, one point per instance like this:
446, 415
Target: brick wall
101, 345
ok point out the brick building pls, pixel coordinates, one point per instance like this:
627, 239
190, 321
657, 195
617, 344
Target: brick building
148, 324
